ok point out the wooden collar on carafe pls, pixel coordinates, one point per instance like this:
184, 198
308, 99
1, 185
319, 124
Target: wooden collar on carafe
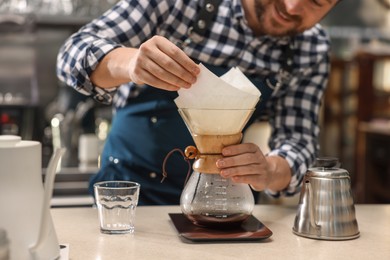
208, 150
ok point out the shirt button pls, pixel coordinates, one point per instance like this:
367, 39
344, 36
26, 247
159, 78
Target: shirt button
153, 119
152, 175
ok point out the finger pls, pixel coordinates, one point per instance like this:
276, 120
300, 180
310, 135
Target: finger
158, 83
170, 59
152, 72
173, 72
172, 50
248, 175
252, 169
238, 160
232, 150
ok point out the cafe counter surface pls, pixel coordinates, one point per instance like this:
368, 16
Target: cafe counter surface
157, 238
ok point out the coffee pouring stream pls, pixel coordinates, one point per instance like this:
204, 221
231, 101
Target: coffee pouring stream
25, 203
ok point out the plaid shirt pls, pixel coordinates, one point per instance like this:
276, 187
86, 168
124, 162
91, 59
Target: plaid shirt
294, 105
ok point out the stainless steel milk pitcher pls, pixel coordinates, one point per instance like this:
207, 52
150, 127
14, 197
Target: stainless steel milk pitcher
326, 209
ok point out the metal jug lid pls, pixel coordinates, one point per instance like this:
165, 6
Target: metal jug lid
327, 167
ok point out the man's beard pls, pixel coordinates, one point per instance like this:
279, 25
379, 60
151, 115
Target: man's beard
260, 8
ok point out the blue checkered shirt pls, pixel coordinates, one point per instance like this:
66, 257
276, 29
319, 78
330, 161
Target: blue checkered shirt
295, 102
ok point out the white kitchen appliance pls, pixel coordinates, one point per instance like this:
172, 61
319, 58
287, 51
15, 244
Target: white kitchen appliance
24, 201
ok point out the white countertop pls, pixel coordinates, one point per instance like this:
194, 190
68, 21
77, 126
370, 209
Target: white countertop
156, 238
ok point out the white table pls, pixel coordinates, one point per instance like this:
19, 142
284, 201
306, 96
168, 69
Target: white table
156, 238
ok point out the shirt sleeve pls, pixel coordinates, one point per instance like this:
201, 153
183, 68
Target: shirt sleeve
294, 117
128, 23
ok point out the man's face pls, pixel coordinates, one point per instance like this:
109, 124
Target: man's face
288, 17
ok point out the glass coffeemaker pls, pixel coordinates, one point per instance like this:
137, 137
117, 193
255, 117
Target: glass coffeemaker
209, 200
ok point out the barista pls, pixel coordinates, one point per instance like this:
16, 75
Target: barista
138, 54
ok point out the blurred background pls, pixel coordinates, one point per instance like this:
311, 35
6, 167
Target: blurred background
355, 118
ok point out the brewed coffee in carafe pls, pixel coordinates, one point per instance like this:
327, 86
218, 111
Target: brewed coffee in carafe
208, 199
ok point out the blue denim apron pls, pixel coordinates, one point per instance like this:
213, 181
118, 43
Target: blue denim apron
143, 133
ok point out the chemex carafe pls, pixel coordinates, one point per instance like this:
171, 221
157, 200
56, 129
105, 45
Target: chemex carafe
208, 199
326, 209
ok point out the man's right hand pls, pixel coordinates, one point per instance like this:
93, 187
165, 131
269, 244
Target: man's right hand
160, 63
157, 62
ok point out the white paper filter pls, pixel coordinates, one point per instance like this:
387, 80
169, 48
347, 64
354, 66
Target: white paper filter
218, 105
213, 92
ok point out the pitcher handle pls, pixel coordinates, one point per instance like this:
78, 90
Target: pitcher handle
48, 191
313, 221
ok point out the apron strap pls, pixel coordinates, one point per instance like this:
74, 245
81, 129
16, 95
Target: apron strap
206, 16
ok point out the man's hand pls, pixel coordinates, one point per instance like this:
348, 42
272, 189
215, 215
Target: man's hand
160, 63
245, 163
157, 62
